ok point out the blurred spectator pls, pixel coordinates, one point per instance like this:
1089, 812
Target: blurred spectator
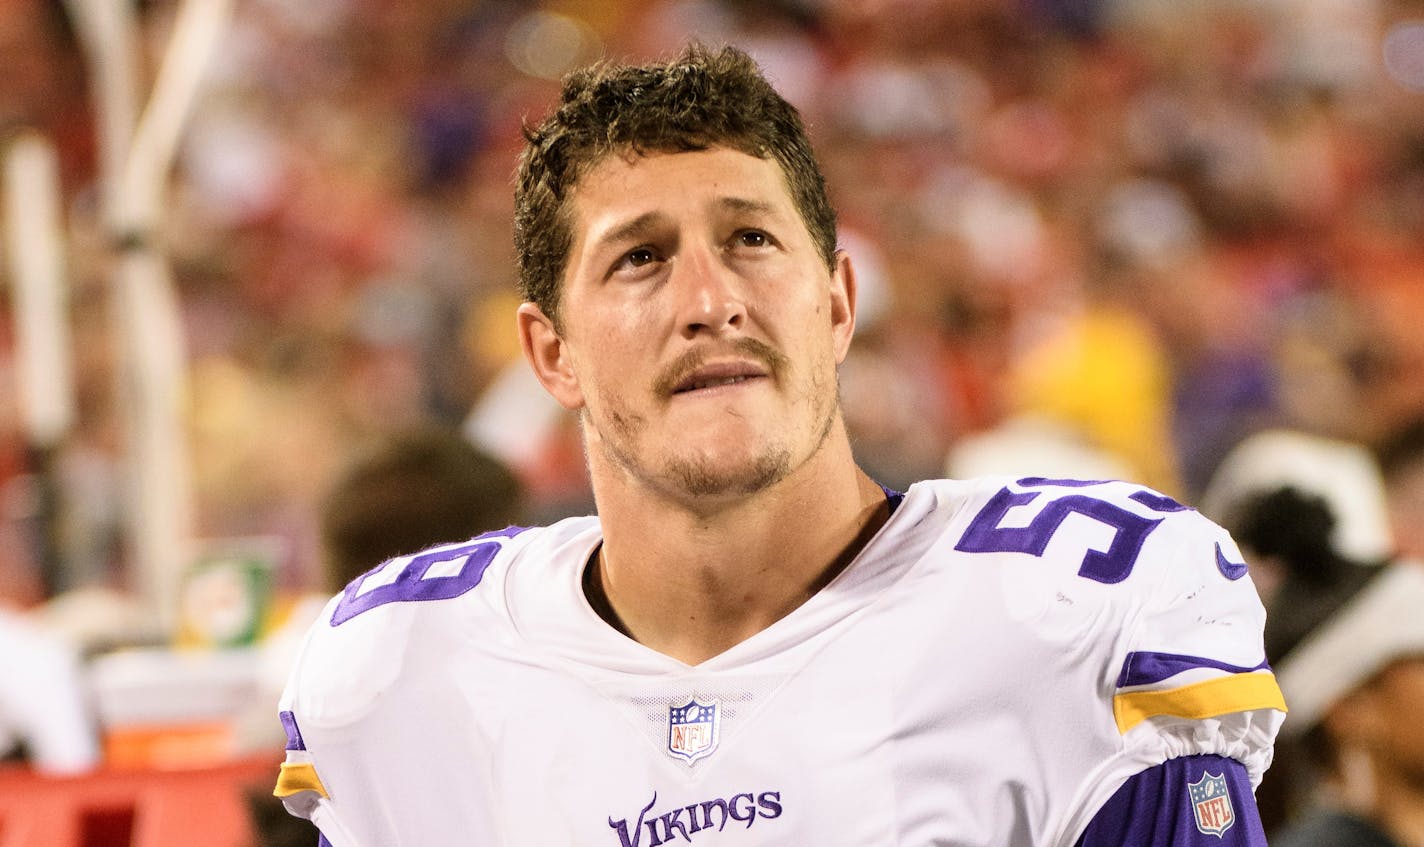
1342, 473
1401, 459
409, 491
1346, 640
45, 717
1106, 374
1029, 446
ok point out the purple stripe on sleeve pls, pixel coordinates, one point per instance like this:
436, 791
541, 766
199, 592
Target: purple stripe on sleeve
294, 734
1141, 668
322, 842
1187, 802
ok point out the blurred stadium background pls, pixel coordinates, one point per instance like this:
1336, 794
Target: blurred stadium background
1114, 237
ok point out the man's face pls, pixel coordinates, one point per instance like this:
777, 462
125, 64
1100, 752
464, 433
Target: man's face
701, 328
1396, 736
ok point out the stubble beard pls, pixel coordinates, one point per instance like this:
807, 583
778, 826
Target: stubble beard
698, 476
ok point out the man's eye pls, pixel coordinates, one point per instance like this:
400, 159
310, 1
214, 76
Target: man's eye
753, 238
636, 258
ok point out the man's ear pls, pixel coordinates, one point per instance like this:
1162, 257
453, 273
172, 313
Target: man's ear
548, 355
842, 303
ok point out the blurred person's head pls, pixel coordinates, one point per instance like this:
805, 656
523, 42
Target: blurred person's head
698, 101
1288, 531
1346, 640
1342, 474
1401, 459
409, 491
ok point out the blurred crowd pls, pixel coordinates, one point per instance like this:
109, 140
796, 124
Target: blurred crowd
1149, 227
1113, 236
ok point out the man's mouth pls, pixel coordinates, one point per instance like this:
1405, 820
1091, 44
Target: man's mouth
746, 360
712, 377
709, 383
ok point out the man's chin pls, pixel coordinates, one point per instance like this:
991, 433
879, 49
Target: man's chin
706, 478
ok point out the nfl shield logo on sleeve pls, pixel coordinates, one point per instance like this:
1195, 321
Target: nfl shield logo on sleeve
693, 729
1211, 804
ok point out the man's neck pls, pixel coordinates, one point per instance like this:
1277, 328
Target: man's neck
692, 584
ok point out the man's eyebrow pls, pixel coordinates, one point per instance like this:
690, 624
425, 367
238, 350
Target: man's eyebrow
630, 230
745, 206
639, 227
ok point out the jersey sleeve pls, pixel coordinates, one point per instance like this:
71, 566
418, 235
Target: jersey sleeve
302, 782
353, 706
1186, 802
302, 791
1194, 679
1162, 613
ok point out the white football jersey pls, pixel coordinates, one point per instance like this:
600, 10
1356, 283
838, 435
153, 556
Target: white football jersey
990, 668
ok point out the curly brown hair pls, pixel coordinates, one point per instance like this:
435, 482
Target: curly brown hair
698, 100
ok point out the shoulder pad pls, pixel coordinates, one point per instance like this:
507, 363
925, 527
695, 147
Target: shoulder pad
359, 645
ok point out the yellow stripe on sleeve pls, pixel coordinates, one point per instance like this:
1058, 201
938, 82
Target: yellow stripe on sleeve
296, 777
1237, 693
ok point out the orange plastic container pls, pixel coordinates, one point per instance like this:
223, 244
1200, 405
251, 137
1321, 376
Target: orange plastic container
124, 807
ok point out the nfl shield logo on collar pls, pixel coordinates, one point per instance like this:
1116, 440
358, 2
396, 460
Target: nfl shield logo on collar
693, 729
1211, 804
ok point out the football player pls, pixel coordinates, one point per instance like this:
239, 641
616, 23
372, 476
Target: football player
752, 642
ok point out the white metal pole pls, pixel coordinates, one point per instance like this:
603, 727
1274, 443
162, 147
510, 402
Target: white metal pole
34, 245
108, 31
147, 311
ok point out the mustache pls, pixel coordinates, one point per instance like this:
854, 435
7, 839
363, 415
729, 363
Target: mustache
686, 364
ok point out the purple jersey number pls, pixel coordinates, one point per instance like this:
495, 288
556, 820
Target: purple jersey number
986, 535
456, 570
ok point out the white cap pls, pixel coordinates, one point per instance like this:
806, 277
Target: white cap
1383, 622
1344, 474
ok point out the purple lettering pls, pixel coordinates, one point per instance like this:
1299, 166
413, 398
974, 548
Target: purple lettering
770, 804
1158, 502
720, 805
692, 818
747, 813
683, 822
413, 582
986, 534
671, 824
622, 826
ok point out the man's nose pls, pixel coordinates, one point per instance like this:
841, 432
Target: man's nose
711, 295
